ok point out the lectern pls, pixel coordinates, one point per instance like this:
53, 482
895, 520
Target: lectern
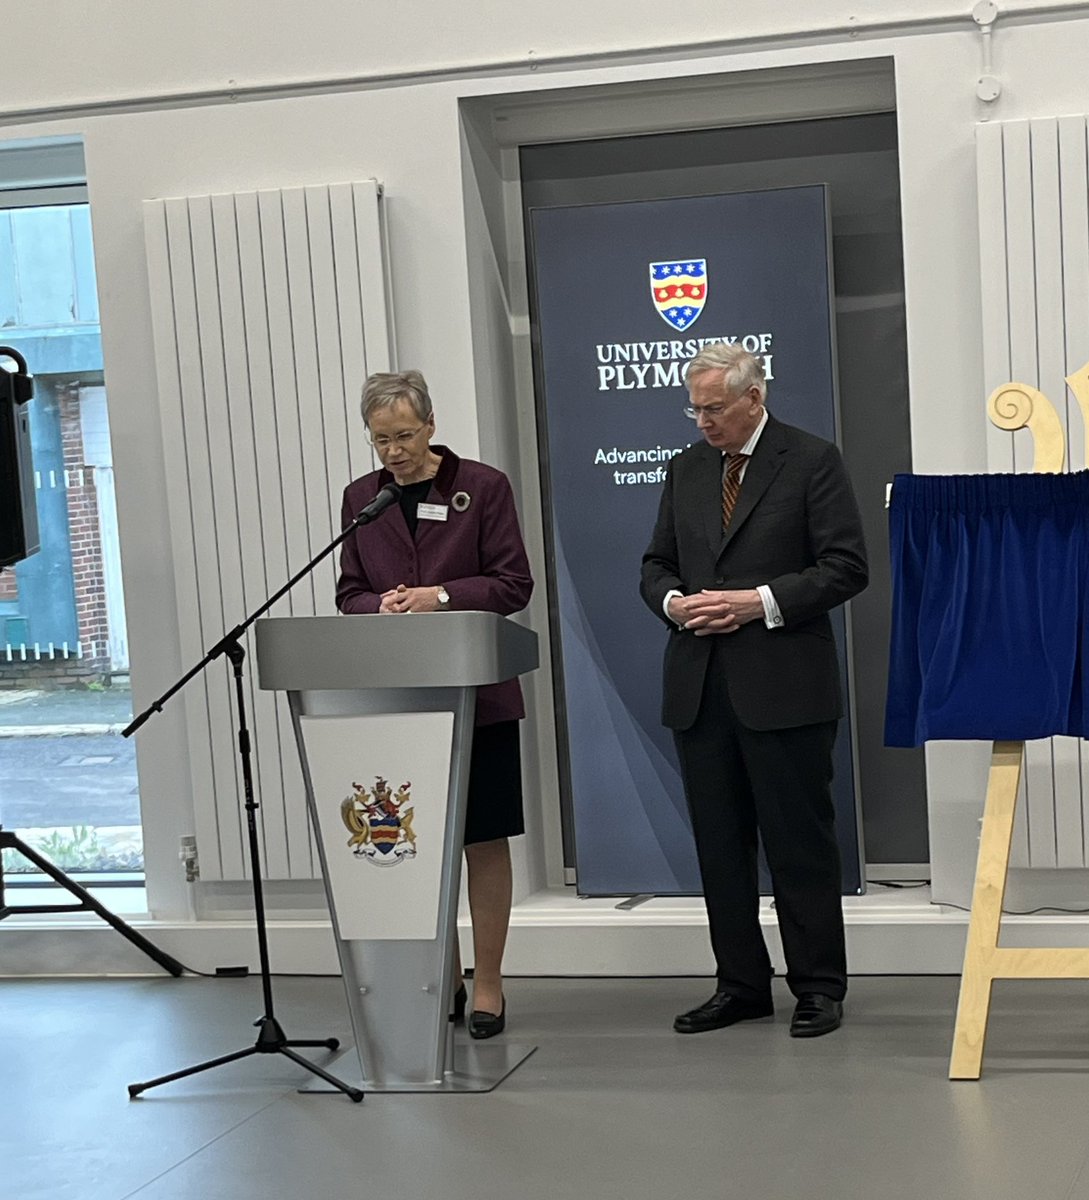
383, 709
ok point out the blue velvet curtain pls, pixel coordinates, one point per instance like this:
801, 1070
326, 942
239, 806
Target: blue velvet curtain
989, 614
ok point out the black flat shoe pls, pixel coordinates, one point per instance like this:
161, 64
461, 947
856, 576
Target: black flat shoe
461, 999
815, 1015
485, 1024
721, 1010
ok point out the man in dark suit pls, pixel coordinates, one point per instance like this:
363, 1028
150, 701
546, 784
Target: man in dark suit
758, 537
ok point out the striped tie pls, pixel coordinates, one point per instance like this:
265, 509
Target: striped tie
731, 486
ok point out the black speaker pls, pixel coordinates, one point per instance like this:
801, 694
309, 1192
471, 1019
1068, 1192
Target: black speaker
18, 502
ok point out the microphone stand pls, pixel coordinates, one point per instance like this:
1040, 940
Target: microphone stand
271, 1038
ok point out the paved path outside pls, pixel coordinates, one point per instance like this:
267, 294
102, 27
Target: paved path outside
73, 711
64, 765
59, 782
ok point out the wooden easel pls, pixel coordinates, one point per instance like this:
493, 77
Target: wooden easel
1012, 406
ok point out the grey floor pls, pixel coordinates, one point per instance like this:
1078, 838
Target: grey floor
612, 1105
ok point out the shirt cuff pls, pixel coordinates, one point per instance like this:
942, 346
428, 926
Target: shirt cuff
665, 606
773, 618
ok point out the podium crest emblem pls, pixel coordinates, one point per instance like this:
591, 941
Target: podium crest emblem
679, 290
379, 821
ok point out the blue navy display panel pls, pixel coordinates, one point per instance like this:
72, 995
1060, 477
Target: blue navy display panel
626, 294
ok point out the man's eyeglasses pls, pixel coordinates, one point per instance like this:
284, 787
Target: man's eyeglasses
713, 411
695, 411
405, 438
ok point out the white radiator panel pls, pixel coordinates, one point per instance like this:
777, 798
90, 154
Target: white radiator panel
269, 309
1034, 265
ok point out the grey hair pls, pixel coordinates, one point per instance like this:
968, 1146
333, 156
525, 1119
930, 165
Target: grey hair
742, 369
384, 389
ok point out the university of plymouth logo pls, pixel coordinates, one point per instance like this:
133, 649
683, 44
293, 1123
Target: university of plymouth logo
380, 823
679, 290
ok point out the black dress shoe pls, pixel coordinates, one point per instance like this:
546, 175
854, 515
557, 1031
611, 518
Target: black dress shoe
815, 1015
485, 1024
721, 1010
457, 1011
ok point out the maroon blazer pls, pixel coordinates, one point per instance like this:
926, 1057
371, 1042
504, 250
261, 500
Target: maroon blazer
476, 554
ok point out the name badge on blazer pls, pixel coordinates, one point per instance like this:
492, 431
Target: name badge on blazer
431, 512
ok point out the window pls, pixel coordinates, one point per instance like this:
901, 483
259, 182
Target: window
68, 782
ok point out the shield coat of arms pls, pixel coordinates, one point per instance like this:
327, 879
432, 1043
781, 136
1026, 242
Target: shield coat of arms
679, 290
380, 823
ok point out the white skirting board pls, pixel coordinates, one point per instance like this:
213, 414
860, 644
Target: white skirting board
552, 934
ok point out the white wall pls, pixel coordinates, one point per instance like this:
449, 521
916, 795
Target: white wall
121, 49
407, 138
407, 135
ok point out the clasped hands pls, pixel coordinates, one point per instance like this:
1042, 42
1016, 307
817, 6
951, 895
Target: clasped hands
409, 599
708, 612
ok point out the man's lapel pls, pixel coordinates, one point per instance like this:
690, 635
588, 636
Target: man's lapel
707, 484
762, 468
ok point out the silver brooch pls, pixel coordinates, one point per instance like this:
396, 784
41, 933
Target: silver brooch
460, 501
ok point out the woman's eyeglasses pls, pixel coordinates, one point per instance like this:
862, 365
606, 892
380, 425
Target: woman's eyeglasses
404, 438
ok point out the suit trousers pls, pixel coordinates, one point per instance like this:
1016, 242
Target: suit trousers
738, 782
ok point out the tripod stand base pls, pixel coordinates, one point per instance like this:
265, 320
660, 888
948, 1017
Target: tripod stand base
271, 1040
476, 1068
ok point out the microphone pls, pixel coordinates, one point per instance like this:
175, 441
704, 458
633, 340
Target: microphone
387, 496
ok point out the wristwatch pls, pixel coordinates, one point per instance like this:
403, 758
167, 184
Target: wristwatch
443, 597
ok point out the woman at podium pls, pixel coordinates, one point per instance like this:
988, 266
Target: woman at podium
452, 544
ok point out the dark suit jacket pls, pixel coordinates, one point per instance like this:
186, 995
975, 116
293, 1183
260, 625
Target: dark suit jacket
477, 555
797, 529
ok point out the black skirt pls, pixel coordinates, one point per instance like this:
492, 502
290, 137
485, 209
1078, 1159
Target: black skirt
495, 784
